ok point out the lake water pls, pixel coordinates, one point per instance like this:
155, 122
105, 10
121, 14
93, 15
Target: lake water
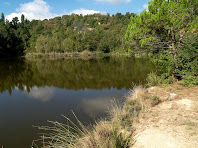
34, 91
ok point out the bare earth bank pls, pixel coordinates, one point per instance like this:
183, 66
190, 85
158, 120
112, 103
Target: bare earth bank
172, 123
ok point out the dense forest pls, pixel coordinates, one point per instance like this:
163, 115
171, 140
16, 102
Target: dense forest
168, 30
69, 33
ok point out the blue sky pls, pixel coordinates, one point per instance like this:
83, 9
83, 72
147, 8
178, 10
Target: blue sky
45, 9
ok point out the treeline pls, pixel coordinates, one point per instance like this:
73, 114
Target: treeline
170, 30
13, 36
69, 33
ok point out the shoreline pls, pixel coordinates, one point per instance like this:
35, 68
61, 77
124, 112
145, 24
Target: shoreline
83, 55
147, 113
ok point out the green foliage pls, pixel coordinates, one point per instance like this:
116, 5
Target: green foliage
164, 63
153, 79
13, 37
187, 58
69, 33
155, 100
146, 41
162, 25
119, 140
2, 18
133, 108
190, 124
168, 80
96, 32
189, 80
169, 28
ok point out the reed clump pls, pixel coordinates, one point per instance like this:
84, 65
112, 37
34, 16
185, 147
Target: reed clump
118, 132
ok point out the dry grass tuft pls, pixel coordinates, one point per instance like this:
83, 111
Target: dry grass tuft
105, 134
139, 100
86, 53
116, 133
103, 130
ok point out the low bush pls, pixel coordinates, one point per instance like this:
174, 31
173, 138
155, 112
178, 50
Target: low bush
153, 79
155, 100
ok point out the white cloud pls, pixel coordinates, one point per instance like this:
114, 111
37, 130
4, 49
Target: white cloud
84, 11
145, 6
38, 9
115, 1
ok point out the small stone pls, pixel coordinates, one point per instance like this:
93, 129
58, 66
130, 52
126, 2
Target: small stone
150, 89
171, 96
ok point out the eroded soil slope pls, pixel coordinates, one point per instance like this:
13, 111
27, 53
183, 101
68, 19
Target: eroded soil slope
171, 124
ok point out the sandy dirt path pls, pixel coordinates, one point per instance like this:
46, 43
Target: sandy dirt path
171, 124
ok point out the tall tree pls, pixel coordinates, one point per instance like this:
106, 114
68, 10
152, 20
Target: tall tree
22, 19
2, 18
165, 27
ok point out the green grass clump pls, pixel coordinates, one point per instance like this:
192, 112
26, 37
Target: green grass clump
120, 139
155, 100
133, 107
190, 124
153, 79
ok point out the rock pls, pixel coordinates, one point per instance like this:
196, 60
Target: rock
151, 89
186, 102
171, 96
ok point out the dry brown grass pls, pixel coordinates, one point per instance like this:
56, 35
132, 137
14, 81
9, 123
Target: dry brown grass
104, 134
138, 97
141, 99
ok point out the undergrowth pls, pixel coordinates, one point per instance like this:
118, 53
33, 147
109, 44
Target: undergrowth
153, 79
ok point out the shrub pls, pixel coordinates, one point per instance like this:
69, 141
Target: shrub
189, 80
153, 79
182, 66
155, 100
86, 53
168, 80
119, 139
133, 107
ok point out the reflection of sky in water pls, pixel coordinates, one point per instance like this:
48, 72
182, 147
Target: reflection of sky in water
96, 106
21, 110
41, 93
89, 101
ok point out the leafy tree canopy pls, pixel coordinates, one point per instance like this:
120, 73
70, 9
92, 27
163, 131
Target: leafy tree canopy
170, 29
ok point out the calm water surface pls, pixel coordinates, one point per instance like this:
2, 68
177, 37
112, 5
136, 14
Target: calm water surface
34, 91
